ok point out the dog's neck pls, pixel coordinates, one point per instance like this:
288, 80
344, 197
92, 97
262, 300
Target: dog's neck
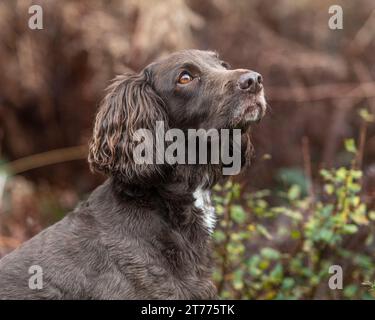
203, 202
188, 187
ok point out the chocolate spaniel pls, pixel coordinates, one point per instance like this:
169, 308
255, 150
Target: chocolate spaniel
144, 233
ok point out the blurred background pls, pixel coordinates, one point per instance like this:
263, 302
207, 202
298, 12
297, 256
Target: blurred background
308, 200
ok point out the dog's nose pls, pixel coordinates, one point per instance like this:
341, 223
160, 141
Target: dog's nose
251, 81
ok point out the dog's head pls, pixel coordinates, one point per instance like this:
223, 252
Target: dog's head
190, 89
202, 91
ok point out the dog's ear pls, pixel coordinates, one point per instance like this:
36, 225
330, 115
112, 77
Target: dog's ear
247, 150
130, 104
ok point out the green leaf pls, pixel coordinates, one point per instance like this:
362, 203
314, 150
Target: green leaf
354, 187
350, 145
236, 190
294, 192
264, 264
238, 279
218, 236
326, 235
341, 174
238, 214
217, 187
327, 175
364, 262
350, 290
327, 210
270, 253
369, 284
287, 283
350, 228
219, 209
293, 214
277, 273
367, 116
295, 234
329, 188
356, 174
291, 176
263, 231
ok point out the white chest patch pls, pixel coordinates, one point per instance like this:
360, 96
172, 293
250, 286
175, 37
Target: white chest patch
203, 202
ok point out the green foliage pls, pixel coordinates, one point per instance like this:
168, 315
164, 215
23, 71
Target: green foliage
265, 251
293, 176
350, 146
366, 115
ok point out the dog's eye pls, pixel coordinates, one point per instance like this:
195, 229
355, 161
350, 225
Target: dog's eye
185, 77
226, 65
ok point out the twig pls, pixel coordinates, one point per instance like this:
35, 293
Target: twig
307, 167
45, 158
9, 242
364, 36
361, 145
334, 134
364, 75
224, 266
322, 92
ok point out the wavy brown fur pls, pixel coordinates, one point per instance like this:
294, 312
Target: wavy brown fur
139, 235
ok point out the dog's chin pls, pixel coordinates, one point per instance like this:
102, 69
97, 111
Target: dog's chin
250, 112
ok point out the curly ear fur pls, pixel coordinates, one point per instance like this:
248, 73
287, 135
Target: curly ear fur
130, 104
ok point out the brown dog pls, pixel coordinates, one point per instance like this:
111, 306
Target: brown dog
144, 233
